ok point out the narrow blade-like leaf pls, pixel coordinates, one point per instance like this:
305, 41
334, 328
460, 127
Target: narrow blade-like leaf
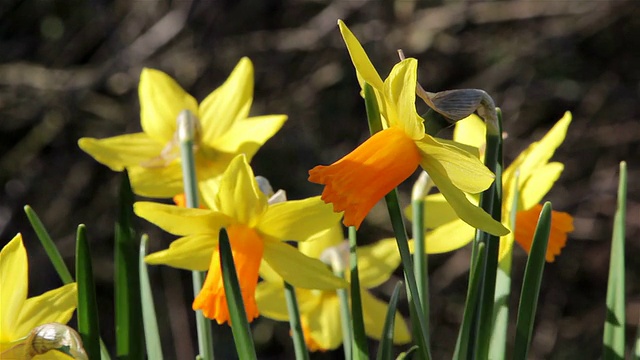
239, 324
360, 346
385, 349
151, 334
614, 327
127, 279
88, 326
531, 284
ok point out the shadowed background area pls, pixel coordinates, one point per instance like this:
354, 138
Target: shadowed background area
70, 69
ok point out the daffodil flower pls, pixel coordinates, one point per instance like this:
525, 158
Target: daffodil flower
256, 231
535, 176
320, 310
152, 157
355, 183
22, 318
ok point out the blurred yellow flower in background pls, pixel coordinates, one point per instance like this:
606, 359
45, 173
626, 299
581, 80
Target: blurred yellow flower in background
19, 315
355, 183
256, 230
320, 310
152, 157
535, 176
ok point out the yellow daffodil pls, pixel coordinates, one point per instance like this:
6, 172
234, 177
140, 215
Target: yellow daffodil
152, 157
256, 231
535, 176
22, 318
320, 310
360, 179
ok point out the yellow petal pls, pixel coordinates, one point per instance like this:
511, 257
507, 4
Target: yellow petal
374, 312
469, 213
437, 211
55, 305
13, 281
473, 150
315, 246
191, 252
538, 153
400, 92
298, 220
227, 104
300, 270
158, 182
240, 197
462, 169
359, 57
248, 135
324, 323
377, 262
539, 184
470, 131
271, 301
121, 151
161, 100
181, 221
447, 237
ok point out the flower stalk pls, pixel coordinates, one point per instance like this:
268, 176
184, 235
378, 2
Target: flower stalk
187, 128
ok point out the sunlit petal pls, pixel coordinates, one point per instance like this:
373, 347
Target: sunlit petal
239, 196
464, 170
400, 92
191, 252
160, 182
539, 184
374, 312
447, 237
561, 225
122, 151
316, 246
55, 305
376, 262
298, 220
248, 135
470, 131
161, 100
227, 104
300, 270
181, 221
361, 62
323, 324
13, 279
471, 214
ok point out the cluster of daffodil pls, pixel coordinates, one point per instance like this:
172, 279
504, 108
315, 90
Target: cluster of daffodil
200, 154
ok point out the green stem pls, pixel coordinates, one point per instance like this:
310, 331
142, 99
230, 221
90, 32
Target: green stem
360, 345
345, 317
395, 213
187, 135
491, 202
299, 345
420, 256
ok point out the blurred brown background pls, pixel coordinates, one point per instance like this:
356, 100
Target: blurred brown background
70, 69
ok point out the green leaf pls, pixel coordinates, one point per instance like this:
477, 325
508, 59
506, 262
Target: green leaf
127, 279
88, 326
531, 284
49, 246
239, 324
151, 334
360, 344
463, 350
385, 349
420, 260
614, 327
299, 345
